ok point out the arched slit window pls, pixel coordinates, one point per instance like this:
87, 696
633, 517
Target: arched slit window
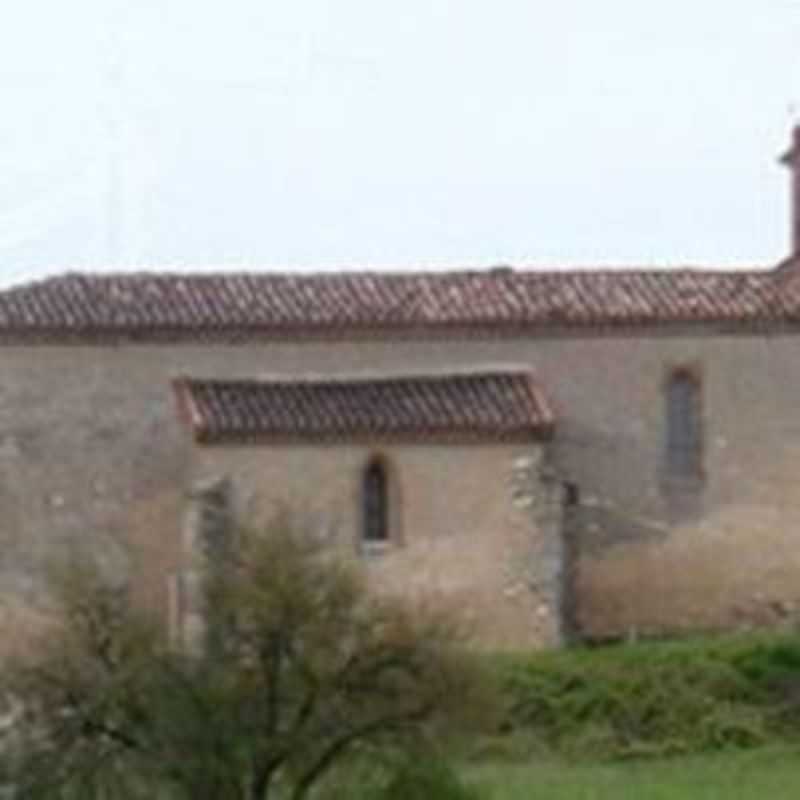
684, 434
375, 502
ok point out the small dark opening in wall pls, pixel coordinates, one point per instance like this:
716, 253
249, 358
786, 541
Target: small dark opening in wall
572, 494
683, 473
684, 429
375, 500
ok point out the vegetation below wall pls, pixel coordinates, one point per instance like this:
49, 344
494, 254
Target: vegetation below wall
651, 699
301, 684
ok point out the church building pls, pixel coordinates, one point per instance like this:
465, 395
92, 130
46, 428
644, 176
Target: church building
570, 454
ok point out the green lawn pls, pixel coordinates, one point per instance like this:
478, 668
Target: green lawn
767, 774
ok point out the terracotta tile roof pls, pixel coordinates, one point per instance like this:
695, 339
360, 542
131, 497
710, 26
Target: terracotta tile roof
490, 404
198, 305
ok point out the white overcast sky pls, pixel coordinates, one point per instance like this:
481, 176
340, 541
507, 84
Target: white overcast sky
414, 133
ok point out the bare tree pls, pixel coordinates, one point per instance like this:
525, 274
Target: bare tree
303, 670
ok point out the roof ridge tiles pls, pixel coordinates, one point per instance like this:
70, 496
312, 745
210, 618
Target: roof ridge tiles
515, 369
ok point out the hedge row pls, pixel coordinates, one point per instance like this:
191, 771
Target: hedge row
656, 698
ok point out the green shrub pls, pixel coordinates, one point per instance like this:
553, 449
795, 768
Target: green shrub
426, 779
655, 699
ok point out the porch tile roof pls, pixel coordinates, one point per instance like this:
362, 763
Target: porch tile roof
493, 404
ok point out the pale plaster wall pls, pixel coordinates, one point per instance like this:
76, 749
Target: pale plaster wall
473, 528
89, 443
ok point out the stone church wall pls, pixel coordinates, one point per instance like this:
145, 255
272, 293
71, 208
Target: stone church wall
472, 528
91, 453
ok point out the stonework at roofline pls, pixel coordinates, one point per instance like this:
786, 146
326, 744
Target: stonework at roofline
649, 486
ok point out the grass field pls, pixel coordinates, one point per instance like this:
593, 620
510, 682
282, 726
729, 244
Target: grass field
764, 774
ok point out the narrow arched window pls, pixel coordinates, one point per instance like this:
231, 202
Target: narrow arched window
684, 435
375, 502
